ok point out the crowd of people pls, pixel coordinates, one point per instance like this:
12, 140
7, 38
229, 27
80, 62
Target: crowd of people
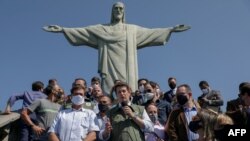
147, 114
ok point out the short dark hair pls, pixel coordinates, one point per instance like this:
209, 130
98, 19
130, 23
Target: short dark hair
77, 87
122, 84
48, 90
74, 83
52, 81
245, 89
188, 88
153, 84
95, 78
102, 96
37, 85
203, 82
170, 78
242, 84
139, 80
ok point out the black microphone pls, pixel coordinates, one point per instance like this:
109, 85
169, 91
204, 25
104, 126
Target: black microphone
125, 103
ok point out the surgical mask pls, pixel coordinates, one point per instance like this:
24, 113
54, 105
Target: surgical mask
204, 91
153, 117
182, 99
194, 126
141, 88
148, 96
103, 108
77, 99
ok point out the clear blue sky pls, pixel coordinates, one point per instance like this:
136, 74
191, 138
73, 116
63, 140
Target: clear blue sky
216, 49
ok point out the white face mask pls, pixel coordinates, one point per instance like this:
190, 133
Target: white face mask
148, 96
141, 89
205, 91
77, 99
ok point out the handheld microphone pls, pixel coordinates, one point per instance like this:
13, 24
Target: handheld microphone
124, 103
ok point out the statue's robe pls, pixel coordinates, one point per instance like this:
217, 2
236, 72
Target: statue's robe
117, 48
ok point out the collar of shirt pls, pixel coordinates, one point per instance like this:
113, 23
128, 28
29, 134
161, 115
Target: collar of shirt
186, 109
81, 109
174, 90
129, 104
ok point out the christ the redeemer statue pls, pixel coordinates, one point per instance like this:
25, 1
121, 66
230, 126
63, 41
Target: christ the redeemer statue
117, 45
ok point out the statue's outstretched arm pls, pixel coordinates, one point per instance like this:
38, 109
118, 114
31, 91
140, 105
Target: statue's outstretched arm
53, 28
180, 28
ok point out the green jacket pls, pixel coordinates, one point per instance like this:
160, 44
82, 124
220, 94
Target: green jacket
124, 128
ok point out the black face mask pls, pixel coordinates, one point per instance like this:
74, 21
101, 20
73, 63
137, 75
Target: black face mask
182, 99
194, 126
103, 108
172, 85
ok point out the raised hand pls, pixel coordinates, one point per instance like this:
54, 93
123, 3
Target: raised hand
53, 28
108, 129
180, 28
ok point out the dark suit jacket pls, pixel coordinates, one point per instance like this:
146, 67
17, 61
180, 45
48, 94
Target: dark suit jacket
168, 96
177, 127
214, 100
234, 111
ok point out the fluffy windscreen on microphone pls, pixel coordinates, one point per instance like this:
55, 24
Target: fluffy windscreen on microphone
124, 103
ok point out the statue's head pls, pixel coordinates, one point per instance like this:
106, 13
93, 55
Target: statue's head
118, 12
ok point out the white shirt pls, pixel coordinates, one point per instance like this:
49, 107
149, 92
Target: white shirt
159, 130
74, 125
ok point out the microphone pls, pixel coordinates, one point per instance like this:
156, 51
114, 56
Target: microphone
125, 103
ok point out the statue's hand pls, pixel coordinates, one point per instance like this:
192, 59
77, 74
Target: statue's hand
180, 28
53, 28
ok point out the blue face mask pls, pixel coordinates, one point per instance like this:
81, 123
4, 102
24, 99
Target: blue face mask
153, 117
